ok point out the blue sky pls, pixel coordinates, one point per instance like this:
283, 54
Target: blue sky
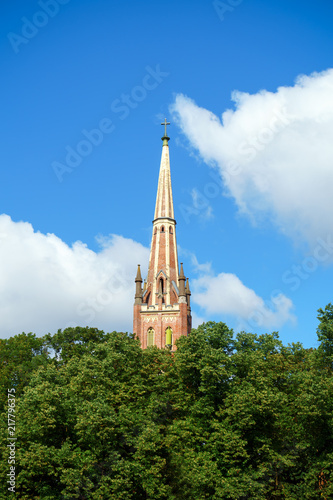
250, 228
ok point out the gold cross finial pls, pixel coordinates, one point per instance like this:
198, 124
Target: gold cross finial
165, 123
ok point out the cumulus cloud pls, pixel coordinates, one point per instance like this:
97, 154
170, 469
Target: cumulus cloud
46, 284
274, 151
225, 294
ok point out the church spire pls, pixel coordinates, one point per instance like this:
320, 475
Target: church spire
164, 201
161, 309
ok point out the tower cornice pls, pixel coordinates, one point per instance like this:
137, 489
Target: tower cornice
167, 219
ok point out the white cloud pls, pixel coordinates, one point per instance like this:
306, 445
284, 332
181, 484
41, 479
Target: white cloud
201, 205
46, 285
274, 152
225, 294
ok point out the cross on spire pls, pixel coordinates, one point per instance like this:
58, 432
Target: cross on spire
165, 123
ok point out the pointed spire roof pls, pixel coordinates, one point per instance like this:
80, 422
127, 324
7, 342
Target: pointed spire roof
138, 275
164, 201
182, 279
138, 288
187, 288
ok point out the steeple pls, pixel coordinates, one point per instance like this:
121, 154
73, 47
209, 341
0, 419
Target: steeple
162, 308
164, 201
163, 261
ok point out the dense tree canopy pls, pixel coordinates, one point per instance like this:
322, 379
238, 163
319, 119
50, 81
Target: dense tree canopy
224, 417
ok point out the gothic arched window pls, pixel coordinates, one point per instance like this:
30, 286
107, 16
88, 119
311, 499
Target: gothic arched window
168, 337
150, 337
162, 229
170, 229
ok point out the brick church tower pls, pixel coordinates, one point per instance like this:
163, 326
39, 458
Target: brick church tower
162, 311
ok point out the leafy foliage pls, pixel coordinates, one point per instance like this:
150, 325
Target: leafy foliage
325, 331
20, 357
223, 417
